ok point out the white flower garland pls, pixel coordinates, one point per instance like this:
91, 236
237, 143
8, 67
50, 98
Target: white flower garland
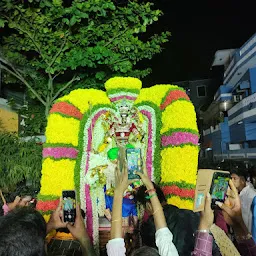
97, 207
130, 94
84, 158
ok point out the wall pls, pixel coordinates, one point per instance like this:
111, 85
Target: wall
216, 142
252, 72
237, 133
8, 120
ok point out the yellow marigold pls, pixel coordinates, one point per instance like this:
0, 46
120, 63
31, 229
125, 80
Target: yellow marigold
155, 94
123, 83
80, 98
62, 130
181, 203
179, 164
50, 236
57, 175
180, 114
46, 217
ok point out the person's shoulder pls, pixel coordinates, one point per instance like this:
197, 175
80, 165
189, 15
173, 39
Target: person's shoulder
249, 189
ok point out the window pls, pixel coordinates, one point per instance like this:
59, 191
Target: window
201, 91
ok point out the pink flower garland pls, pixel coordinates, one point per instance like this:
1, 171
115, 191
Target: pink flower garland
149, 150
122, 97
89, 213
60, 152
178, 138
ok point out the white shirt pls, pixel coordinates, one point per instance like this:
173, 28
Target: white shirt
116, 246
247, 195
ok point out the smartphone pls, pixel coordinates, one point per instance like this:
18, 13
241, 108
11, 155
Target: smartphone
134, 162
219, 187
69, 205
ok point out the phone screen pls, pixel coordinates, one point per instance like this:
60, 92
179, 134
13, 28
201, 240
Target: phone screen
69, 205
219, 187
134, 163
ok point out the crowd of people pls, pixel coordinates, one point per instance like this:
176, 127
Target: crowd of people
166, 231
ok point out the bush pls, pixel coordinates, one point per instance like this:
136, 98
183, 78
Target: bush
20, 162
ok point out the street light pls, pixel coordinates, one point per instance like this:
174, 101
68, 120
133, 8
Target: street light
225, 105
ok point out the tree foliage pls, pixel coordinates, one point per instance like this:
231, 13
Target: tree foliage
19, 161
53, 47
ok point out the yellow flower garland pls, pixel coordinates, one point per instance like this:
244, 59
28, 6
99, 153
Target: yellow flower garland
81, 98
155, 94
57, 175
61, 129
180, 114
179, 164
123, 82
181, 203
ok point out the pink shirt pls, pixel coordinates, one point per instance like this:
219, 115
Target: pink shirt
5, 209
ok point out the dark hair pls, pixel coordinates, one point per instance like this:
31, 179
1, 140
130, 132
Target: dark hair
240, 172
145, 250
22, 233
140, 196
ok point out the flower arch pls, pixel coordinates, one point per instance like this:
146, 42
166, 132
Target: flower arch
172, 141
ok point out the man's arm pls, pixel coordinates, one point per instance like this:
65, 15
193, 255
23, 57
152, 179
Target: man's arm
86, 246
233, 216
77, 230
203, 244
203, 241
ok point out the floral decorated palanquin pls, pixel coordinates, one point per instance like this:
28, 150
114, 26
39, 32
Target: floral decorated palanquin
75, 132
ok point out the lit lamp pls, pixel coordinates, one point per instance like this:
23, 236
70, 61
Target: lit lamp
225, 105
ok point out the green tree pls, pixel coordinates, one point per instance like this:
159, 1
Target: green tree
19, 160
53, 47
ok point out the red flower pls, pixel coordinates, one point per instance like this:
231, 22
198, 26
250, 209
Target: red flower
66, 109
181, 192
47, 206
172, 96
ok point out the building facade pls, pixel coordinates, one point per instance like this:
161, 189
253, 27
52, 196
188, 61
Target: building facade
230, 121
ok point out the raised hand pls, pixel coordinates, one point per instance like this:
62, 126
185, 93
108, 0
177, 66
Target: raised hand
145, 179
78, 229
206, 216
121, 178
231, 208
19, 202
56, 221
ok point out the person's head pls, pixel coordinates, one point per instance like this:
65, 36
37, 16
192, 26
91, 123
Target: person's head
140, 197
145, 251
239, 177
22, 233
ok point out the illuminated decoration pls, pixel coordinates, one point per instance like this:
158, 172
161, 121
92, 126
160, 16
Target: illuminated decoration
87, 127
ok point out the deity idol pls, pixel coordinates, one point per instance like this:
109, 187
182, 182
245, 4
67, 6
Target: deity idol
121, 129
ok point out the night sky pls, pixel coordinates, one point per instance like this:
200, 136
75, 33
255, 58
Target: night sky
198, 28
